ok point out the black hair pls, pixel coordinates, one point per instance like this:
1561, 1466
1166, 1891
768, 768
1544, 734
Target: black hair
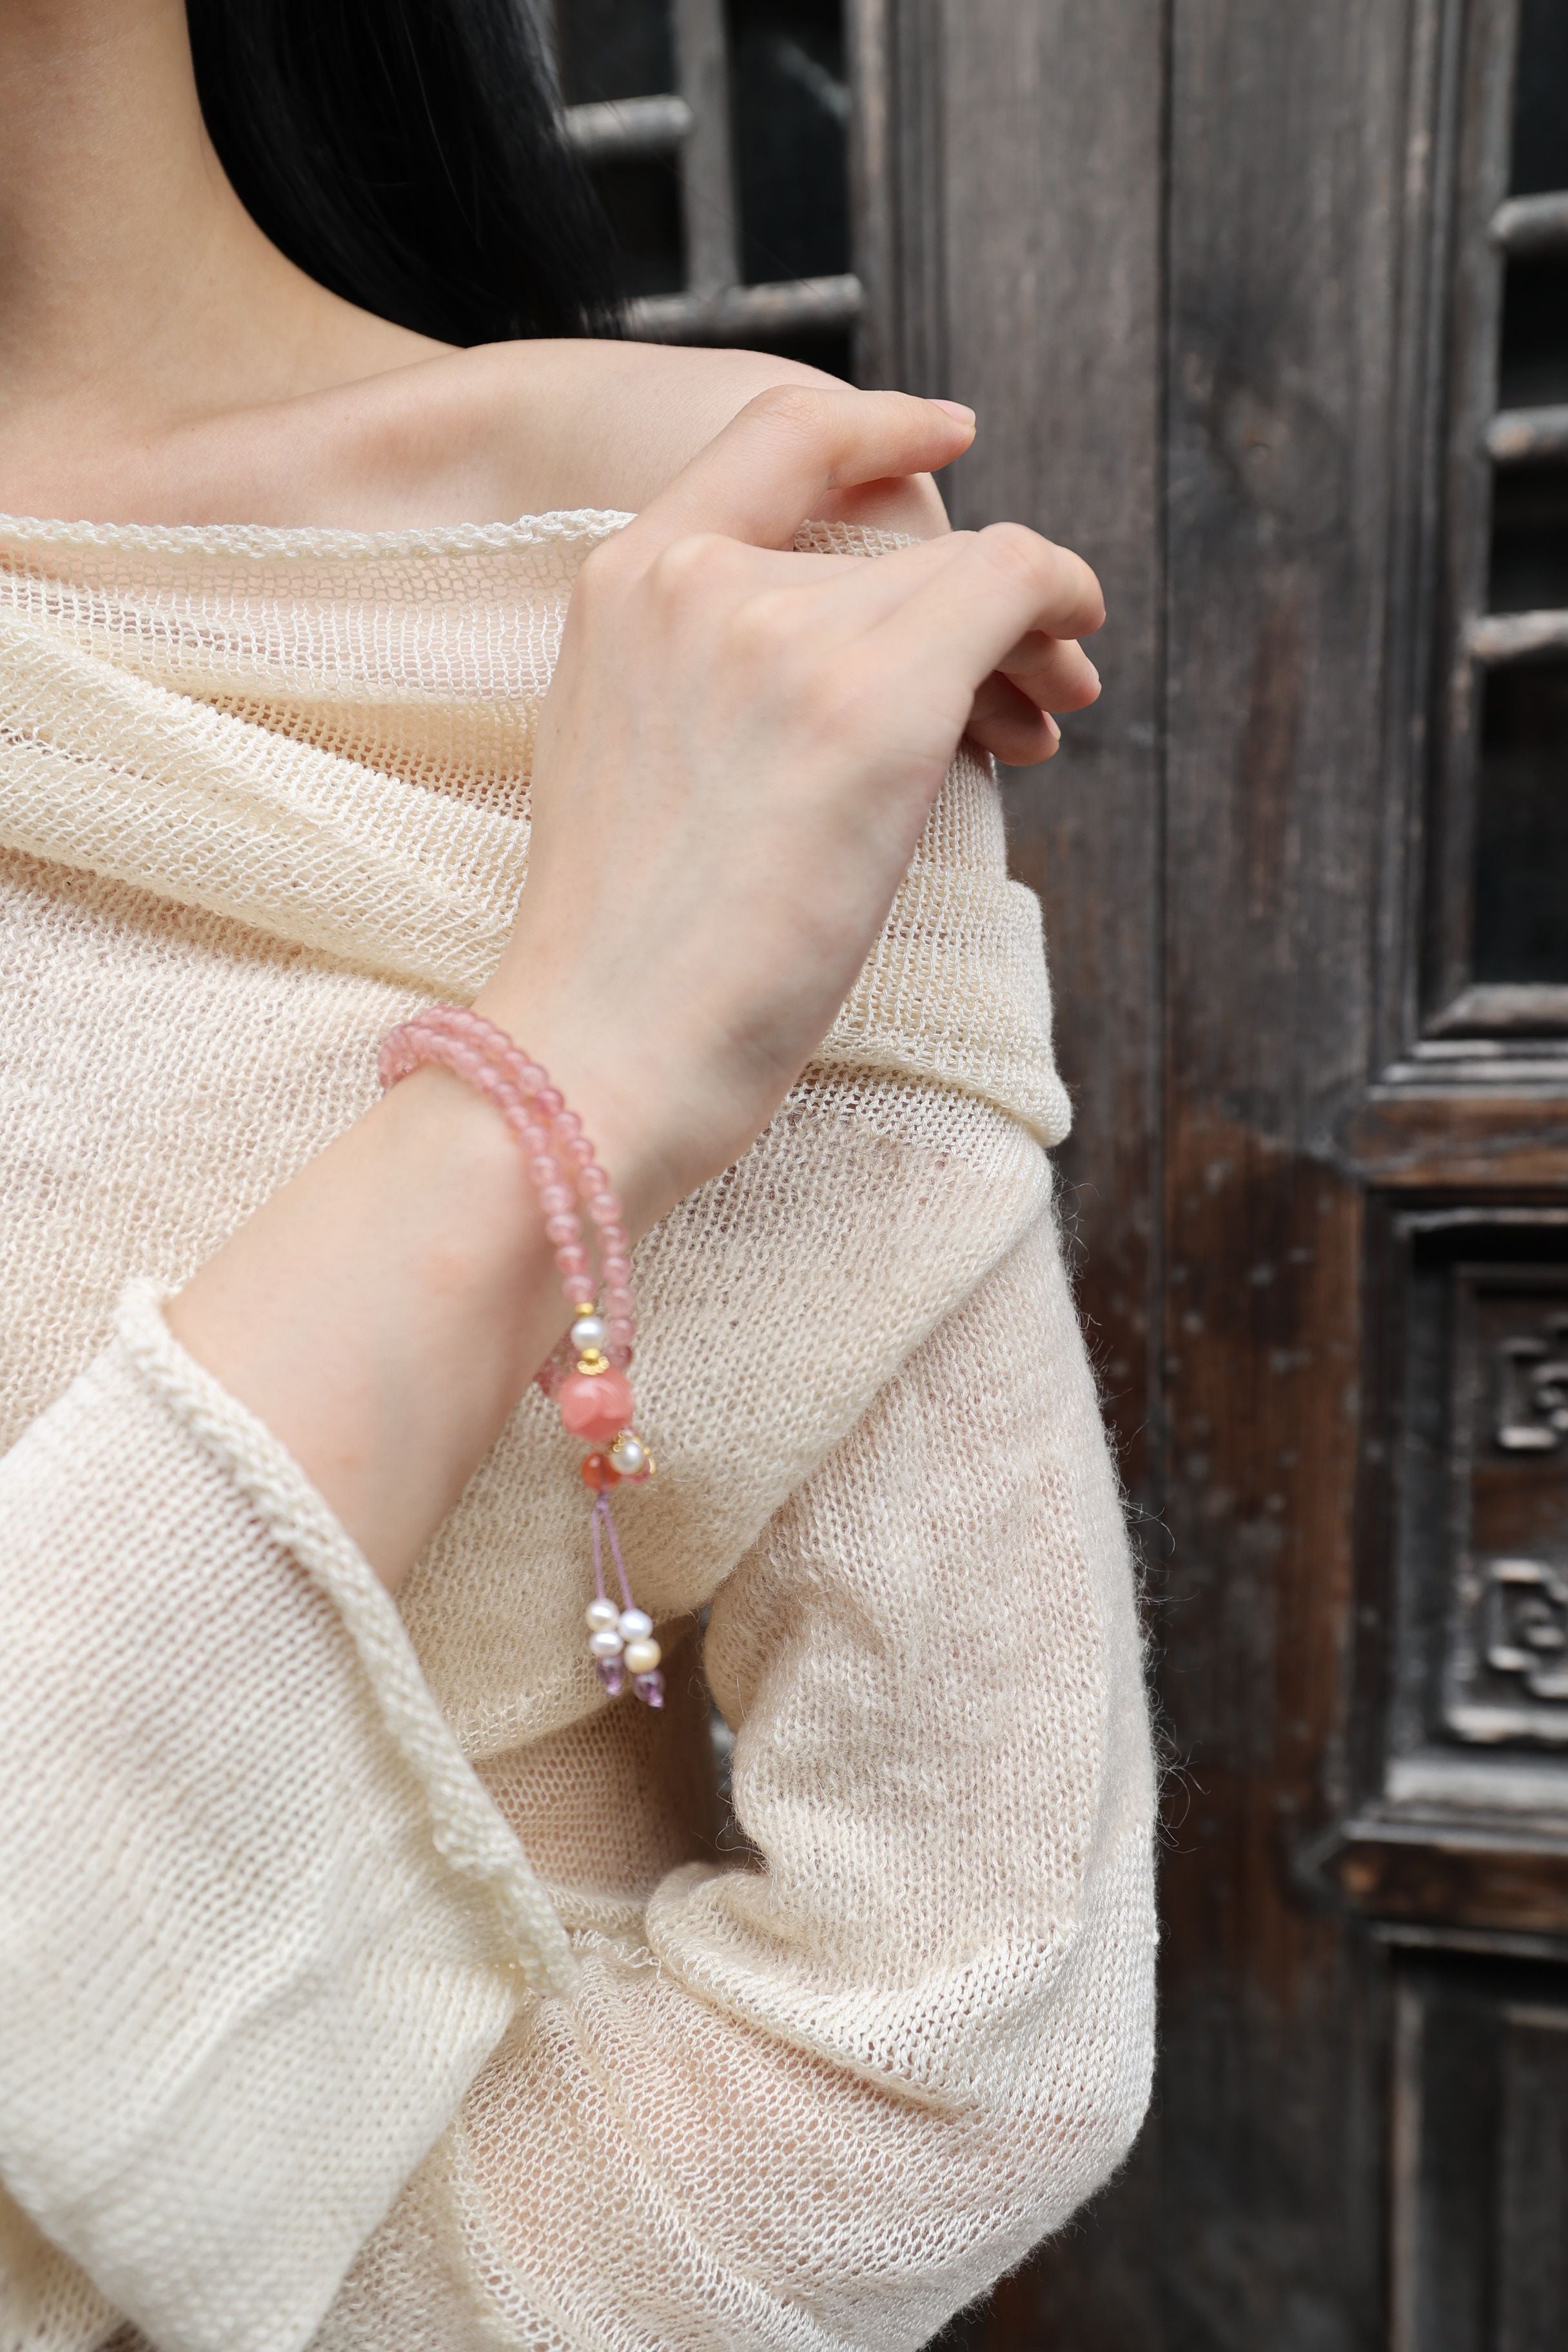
408, 155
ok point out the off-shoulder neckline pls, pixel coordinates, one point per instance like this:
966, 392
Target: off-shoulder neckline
313, 540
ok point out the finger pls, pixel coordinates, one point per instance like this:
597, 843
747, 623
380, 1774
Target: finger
1054, 672
1008, 725
1002, 584
774, 464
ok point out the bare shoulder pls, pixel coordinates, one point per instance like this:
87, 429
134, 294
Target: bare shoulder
529, 428
387, 442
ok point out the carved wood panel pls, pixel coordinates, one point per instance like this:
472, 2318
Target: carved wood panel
1505, 1670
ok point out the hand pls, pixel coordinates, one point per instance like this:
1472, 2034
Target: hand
735, 761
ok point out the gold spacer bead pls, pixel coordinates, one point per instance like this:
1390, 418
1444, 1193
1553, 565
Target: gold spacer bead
591, 1361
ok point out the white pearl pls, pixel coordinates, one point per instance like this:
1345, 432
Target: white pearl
589, 1331
642, 1657
602, 1613
627, 1455
634, 1625
606, 1643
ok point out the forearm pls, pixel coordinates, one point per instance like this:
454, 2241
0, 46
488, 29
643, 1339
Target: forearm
383, 1312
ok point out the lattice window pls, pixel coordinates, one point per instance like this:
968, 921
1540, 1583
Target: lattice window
718, 132
1502, 719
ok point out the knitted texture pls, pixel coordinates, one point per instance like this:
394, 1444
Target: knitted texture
366, 1979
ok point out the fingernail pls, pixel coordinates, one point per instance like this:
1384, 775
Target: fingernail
1050, 722
956, 408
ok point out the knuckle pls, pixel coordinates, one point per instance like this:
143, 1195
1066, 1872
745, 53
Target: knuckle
1012, 548
688, 567
799, 408
1061, 580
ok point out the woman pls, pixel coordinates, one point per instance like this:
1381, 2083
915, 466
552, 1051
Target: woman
368, 1978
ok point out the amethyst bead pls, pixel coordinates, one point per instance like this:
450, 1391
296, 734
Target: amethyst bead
611, 1673
649, 1688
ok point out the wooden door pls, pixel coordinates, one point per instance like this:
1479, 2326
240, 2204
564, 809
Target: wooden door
1264, 308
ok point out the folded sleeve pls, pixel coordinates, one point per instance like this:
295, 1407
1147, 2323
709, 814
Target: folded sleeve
825, 2095
260, 1923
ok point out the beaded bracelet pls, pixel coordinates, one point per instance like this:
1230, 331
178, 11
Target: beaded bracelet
587, 1375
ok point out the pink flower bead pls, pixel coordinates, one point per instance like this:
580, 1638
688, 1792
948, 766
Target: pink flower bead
561, 1229
595, 1406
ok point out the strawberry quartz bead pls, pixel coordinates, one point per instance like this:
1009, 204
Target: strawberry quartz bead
595, 1406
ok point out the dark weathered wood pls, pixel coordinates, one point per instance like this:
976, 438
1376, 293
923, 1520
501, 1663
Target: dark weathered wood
872, 206
1520, 437
1419, 1141
707, 180
1532, 223
1514, 636
1480, 1883
1475, 124
1026, 151
1052, 267
1481, 2108
748, 314
1288, 129
626, 129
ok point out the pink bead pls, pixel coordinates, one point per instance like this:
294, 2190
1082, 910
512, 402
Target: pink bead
649, 1688
611, 1673
553, 1148
596, 1405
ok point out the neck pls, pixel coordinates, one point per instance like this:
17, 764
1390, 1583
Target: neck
136, 293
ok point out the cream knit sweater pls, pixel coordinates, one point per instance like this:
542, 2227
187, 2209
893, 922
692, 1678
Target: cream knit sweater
367, 1980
